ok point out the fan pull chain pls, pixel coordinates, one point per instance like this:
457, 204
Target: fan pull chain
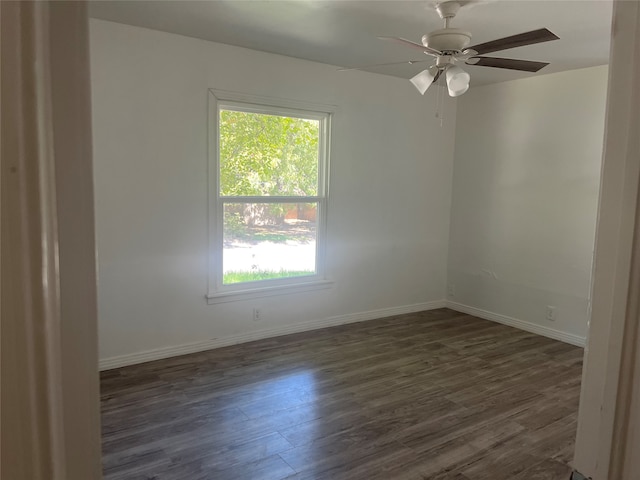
440, 105
437, 101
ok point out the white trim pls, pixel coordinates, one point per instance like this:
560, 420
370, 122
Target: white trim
271, 290
277, 102
166, 352
520, 324
218, 292
270, 199
607, 442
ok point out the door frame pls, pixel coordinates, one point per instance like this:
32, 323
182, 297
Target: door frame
607, 425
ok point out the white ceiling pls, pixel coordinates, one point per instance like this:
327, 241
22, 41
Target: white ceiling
343, 33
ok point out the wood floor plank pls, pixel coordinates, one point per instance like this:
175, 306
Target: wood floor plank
433, 395
546, 470
271, 468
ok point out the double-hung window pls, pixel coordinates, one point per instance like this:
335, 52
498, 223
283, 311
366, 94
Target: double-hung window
269, 181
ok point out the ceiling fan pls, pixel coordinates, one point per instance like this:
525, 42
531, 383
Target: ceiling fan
449, 46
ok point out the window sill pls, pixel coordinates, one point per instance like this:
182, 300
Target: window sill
248, 294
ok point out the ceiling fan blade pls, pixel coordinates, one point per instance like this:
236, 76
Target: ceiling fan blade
520, 40
406, 62
404, 41
508, 63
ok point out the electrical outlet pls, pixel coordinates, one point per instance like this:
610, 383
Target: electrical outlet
551, 313
451, 290
257, 315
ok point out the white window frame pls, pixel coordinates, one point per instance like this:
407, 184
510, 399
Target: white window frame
217, 291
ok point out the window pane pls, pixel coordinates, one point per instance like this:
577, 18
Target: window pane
265, 241
268, 155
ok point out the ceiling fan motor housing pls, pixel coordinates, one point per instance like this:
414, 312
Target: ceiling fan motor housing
447, 39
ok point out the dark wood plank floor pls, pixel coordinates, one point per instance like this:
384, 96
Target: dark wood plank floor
435, 395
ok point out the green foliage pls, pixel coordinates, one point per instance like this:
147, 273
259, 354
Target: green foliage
255, 275
267, 155
243, 234
234, 224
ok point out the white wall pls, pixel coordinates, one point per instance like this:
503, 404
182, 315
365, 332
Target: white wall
526, 182
388, 224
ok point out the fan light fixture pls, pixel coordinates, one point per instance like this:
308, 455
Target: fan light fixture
424, 79
457, 81
450, 46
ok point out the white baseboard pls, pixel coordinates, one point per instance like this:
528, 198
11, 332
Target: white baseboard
174, 351
521, 324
